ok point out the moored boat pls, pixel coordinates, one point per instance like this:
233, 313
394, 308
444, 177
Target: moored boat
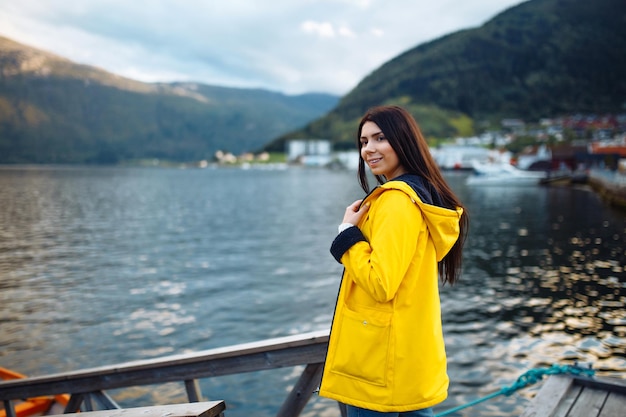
502, 173
36, 406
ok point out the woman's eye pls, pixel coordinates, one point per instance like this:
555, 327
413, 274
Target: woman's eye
381, 138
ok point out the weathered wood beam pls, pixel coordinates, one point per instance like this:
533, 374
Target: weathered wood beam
8, 407
588, 403
73, 405
200, 409
288, 351
342, 409
302, 391
615, 405
193, 390
548, 398
613, 384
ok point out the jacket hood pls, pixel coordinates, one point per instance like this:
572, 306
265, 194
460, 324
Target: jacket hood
442, 223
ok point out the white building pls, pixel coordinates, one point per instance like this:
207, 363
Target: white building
310, 152
459, 157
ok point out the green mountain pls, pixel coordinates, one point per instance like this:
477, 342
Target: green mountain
55, 111
541, 58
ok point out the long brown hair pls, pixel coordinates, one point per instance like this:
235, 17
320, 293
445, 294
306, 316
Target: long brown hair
406, 139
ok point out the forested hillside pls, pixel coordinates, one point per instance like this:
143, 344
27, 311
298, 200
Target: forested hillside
55, 111
542, 58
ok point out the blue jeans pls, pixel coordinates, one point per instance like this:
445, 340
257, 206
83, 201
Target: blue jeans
362, 412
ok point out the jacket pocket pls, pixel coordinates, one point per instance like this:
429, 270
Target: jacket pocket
363, 346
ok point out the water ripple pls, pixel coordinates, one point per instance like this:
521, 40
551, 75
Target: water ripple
160, 262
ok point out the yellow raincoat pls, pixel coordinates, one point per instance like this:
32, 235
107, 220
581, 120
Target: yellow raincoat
386, 351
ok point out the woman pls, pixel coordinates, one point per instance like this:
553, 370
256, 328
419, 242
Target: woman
386, 355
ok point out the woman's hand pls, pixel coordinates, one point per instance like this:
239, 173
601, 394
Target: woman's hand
354, 214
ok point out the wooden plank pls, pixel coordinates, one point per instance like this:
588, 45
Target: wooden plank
201, 409
274, 353
615, 405
562, 409
589, 403
608, 384
553, 391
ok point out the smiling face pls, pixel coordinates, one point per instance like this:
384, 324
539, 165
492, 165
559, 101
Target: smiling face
377, 152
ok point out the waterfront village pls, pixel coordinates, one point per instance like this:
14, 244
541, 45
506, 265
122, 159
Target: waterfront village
567, 143
575, 149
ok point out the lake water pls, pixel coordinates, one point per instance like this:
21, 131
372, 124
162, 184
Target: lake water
105, 265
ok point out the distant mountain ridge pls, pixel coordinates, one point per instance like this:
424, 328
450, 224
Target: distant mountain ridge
53, 110
541, 58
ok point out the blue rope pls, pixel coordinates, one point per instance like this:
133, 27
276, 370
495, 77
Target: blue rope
528, 378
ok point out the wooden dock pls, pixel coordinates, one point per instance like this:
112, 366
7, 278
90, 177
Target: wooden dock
573, 396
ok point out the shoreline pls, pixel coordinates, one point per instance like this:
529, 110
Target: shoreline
609, 185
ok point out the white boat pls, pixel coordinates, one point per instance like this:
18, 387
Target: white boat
502, 173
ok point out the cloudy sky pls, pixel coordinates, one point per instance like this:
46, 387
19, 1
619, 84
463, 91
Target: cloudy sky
291, 46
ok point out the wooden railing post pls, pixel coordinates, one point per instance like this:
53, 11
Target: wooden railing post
342, 409
104, 401
302, 391
8, 407
193, 390
73, 405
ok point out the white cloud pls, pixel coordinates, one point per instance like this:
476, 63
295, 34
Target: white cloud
321, 29
346, 32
